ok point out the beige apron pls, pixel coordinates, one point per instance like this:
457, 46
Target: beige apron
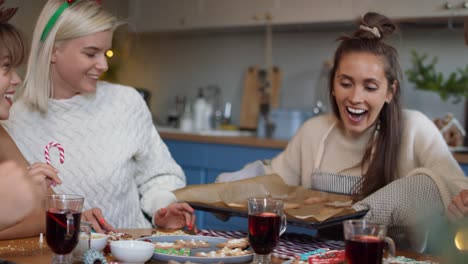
330, 182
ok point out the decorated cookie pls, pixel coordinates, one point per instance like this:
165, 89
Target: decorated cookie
192, 243
167, 245
224, 252
235, 243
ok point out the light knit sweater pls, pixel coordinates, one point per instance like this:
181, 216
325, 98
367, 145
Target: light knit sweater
114, 156
423, 151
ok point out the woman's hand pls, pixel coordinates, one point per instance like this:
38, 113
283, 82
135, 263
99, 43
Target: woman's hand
176, 216
41, 173
458, 208
95, 217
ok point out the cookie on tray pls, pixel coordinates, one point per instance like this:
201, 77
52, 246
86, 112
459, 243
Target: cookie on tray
192, 243
224, 252
234, 243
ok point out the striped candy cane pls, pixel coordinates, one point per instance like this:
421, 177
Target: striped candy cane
59, 147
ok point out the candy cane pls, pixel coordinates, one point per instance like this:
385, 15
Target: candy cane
60, 148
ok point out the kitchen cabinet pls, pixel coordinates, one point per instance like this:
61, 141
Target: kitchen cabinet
464, 167
203, 162
175, 15
178, 15
415, 9
162, 15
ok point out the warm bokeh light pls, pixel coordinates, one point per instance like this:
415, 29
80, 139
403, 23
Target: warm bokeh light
461, 239
109, 53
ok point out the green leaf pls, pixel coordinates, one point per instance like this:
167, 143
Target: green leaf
425, 77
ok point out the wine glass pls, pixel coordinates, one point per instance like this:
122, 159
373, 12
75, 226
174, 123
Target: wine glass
267, 223
63, 218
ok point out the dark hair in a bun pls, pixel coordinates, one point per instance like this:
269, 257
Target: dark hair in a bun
380, 157
372, 20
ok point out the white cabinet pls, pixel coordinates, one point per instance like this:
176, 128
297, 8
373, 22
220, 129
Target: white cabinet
162, 15
414, 9
313, 11
173, 15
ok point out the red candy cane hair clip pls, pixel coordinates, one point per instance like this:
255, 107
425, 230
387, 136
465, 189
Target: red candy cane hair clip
56, 145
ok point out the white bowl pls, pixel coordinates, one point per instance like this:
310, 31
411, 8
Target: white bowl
98, 242
132, 251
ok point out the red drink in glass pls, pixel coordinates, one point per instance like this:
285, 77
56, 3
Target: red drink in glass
364, 249
56, 224
264, 229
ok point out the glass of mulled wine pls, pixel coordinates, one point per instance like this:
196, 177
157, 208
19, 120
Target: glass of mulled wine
267, 223
366, 242
63, 218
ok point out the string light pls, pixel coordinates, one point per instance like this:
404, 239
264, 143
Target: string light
109, 53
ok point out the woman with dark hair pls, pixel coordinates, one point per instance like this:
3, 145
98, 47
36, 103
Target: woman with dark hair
393, 161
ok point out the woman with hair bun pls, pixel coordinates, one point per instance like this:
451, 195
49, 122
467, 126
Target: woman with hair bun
393, 161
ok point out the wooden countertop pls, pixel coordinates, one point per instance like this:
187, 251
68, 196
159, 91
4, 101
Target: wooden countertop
228, 140
461, 157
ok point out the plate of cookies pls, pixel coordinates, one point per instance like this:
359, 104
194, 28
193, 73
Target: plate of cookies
200, 249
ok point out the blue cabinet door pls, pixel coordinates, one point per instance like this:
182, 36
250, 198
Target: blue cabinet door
203, 162
216, 157
464, 167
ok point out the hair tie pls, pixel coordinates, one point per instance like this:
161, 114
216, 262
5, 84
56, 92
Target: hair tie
373, 30
53, 19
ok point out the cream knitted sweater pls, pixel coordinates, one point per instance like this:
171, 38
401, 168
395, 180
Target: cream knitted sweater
114, 156
423, 151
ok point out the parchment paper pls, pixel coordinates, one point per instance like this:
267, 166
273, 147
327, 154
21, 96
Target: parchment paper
235, 194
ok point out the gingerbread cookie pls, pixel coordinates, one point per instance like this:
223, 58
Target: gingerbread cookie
192, 243
167, 245
234, 243
224, 252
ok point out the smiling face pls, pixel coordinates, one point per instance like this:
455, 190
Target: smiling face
9, 80
360, 90
77, 64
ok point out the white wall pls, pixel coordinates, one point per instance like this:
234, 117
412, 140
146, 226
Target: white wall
177, 64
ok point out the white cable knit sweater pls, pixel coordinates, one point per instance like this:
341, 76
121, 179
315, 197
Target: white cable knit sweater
114, 156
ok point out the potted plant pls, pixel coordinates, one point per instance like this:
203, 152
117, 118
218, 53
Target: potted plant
425, 77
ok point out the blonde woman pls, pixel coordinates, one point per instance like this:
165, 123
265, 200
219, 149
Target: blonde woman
115, 157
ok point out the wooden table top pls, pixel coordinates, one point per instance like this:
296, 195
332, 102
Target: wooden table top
27, 250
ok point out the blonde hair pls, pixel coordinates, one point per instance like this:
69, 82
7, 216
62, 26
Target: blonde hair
84, 17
